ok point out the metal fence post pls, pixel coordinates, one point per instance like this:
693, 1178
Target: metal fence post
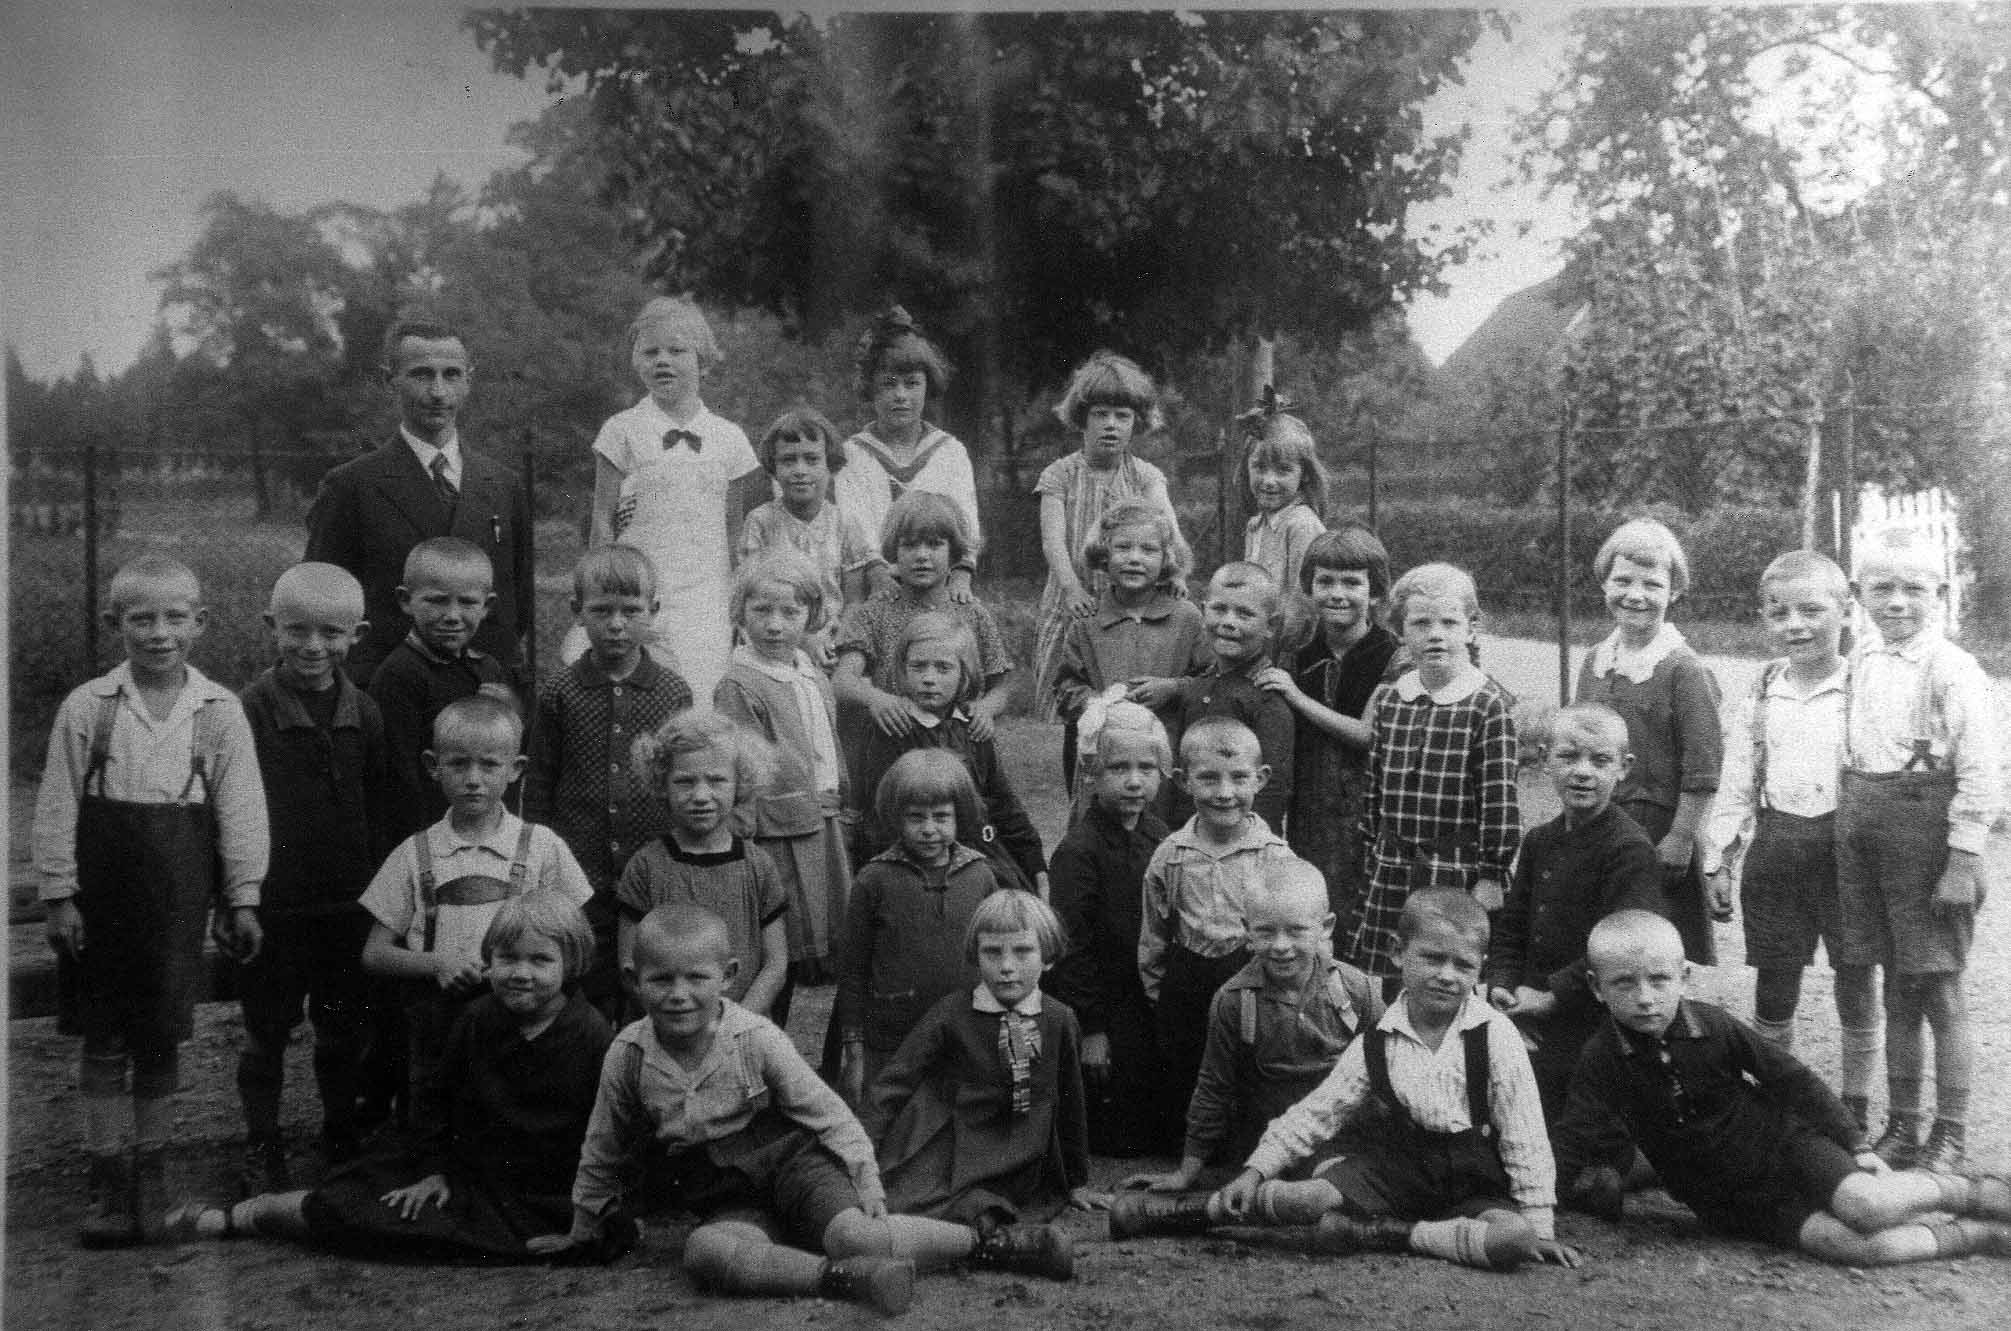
90, 559
1564, 559
530, 538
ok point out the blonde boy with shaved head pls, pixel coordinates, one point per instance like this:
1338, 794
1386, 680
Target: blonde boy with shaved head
150, 813
741, 1130
322, 758
1589, 861
1274, 1030
1921, 786
1740, 1132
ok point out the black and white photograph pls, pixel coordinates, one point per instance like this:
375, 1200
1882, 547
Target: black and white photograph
1264, 665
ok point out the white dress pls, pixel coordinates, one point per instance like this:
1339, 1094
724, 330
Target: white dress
679, 521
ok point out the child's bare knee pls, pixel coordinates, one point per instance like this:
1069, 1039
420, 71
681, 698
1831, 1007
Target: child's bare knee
1859, 1203
1826, 1236
714, 1253
1941, 996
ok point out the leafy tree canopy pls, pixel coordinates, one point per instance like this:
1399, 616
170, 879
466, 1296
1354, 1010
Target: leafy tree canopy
1033, 185
1790, 208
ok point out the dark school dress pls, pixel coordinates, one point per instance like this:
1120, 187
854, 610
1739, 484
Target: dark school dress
1330, 780
505, 1120
962, 1134
1098, 873
146, 877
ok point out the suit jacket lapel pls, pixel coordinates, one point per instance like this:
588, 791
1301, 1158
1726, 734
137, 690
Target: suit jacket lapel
405, 484
478, 504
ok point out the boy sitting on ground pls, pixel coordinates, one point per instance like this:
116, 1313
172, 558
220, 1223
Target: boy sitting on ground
1277, 1028
739, 1129
1741, 1133
1459, 1134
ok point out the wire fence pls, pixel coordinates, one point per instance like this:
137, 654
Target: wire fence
239, 519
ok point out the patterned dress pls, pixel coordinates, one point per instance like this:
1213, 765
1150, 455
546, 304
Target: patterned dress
1441, 808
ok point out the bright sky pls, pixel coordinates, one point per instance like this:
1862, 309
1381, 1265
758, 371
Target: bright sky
118, 117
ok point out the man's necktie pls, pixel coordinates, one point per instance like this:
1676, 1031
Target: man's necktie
441, 484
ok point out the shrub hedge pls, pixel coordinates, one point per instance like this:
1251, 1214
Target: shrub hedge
1512, 552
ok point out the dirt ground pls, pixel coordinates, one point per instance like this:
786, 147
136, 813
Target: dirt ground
1654, 1270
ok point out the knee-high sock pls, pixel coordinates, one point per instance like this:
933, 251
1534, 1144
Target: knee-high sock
1859, 1055
736, 1258
1282, 1203
272, 1214
930, 1244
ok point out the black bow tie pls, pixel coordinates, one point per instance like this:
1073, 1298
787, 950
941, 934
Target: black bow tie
672, 438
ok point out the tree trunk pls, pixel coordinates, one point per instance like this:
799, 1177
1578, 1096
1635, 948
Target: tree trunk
1256, 362
1811, 477
261, 487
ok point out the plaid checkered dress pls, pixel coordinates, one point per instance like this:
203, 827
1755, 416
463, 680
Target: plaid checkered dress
1441, 809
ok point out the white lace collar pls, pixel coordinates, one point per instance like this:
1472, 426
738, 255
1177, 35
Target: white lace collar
1463, 685
1612, 657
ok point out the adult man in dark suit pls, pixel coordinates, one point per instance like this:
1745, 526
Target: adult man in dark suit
372, 510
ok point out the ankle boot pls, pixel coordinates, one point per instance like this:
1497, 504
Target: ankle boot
1942, 1152
1031, 1250
1135, 1214
882, 1283
150, 1193
108, 1223
1341, 1234
1899, 1144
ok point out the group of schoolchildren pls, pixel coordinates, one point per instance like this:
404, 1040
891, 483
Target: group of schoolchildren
1345, 986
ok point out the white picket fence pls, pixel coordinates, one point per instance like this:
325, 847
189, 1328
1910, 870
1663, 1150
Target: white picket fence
1923, 518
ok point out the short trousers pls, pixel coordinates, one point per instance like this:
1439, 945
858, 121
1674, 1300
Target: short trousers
781, 1176
1808, 1169
1788, 892
311, 961
1892, 845
1429, 1177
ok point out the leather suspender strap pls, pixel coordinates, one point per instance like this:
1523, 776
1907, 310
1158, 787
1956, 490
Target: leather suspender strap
520, 863
1478, 1069
429, 886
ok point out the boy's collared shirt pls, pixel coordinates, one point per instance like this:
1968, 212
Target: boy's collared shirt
321, 759
580, 780
1888, 687
752, 1067
393, 895
1257, 1031
1568, 878
1431, 1085
148, 762
410, 687
1804, 754
1194, 892
1709, 1103
1225, 689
